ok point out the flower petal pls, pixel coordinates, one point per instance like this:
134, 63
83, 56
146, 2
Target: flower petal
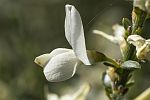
61, 67
106, 80
52, 96
147, 5
75, 34
139, 3
107, 36
142, 46
59, 51
43, 59
119, 30
144, 51
136, 40
118, 37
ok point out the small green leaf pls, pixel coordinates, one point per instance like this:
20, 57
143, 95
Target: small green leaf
95, 56
131, 65
111, 63
126, 23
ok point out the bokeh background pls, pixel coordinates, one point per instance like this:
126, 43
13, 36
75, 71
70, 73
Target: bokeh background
29, 28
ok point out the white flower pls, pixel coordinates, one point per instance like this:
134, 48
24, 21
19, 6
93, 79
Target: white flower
80, 94
61, 63
142, 4
142, 46
139, 3
118, 37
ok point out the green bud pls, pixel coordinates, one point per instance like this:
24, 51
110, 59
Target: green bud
126, 23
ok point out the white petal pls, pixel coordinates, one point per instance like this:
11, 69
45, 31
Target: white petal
43, 59
139, 3
61, 67
52, 96
59, 51
136, 40
119, 30
119, 33
107, 80
118, 39
143, 52
75, 34
107, 36
142, 46
147, 5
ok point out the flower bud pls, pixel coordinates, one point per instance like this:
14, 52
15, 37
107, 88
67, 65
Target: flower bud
142, 4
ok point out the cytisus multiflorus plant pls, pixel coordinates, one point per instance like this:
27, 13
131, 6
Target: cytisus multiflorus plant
61, 64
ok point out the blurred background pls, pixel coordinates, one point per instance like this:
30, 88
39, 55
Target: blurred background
29, 28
